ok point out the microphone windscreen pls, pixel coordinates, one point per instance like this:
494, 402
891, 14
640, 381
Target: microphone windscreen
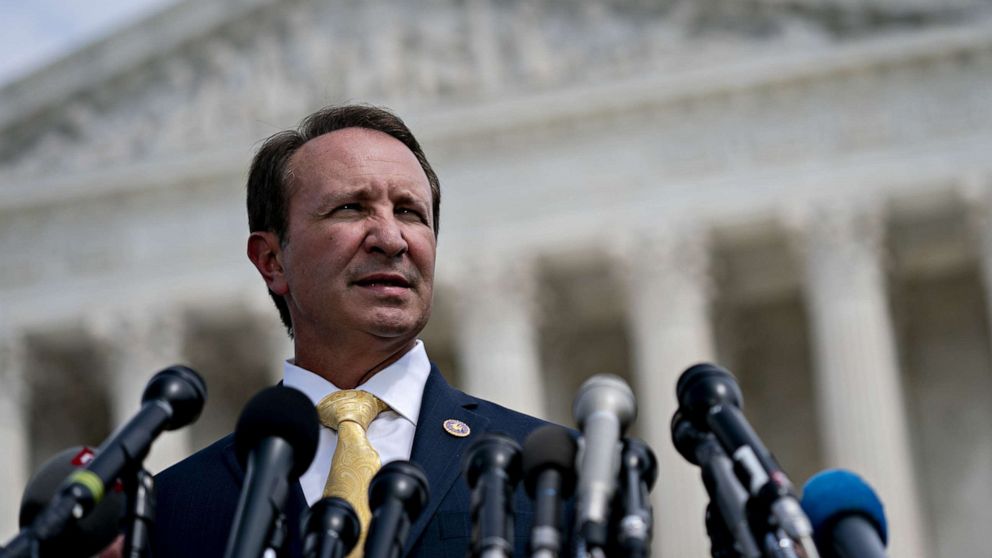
182, 389
704, 385
834, 494
549, 447
605, 393
279, 412
85, 537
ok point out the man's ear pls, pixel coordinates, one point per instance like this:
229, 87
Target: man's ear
265, 251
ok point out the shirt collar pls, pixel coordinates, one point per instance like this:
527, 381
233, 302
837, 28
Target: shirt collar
400, 385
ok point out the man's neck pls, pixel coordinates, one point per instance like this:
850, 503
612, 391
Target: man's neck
352, 366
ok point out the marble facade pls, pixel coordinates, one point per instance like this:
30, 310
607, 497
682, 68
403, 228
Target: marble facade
628, 187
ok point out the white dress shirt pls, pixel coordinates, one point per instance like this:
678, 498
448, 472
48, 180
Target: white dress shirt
400, 385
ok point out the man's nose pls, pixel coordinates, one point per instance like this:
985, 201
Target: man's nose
385, 236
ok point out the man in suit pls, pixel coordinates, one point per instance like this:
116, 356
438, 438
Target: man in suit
343, 215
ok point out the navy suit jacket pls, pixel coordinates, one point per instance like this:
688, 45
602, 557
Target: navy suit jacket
196, 498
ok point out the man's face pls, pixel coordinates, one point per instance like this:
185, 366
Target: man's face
360, 247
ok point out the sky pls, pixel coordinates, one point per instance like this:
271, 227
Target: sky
35, 32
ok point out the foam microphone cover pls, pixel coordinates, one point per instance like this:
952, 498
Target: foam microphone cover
834, 494
703, 386
182, 389
85, 537
549, 447
279, 412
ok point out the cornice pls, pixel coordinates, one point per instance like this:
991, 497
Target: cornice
470, 125
109, 58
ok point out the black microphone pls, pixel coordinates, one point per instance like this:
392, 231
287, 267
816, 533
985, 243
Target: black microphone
331, 529
847, 516
89, 535
173, 398
638, 472
275, 440
727, 497
549, 477
710, 397
603, 408
492, 468
397, 496
722, 542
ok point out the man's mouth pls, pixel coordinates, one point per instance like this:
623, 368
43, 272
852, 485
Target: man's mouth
383, 280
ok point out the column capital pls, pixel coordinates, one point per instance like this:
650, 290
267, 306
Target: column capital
154, 333
672, 256
480, 275
849, 228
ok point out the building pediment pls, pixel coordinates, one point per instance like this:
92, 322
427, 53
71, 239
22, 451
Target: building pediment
203, 74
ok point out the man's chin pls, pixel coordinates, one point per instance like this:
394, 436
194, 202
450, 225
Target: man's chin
395, 327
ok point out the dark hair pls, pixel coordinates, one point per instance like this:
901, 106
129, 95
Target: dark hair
268, 197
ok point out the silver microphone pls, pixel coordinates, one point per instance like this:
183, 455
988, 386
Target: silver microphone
603, 408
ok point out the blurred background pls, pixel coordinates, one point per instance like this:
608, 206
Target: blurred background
797, 189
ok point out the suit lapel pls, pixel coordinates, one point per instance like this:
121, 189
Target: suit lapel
438, 452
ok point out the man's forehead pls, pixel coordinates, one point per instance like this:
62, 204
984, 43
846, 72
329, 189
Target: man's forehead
353, 146
353, 152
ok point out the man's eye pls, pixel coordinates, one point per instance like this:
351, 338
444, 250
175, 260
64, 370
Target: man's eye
413, 213
349, 207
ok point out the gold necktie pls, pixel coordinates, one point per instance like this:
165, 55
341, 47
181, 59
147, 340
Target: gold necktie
355, 461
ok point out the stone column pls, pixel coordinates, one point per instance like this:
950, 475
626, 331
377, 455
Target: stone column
976, 192
272, 333
13, 429
137, 343
666, 286
858, 380
496, 335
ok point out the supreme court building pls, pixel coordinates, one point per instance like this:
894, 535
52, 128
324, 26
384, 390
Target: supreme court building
800, 190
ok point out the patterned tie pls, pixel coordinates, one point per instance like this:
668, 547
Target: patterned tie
355, 461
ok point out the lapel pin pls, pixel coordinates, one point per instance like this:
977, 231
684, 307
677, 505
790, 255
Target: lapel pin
457, 428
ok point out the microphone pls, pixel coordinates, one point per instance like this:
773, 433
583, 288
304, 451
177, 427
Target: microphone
710, 397
727, 497
275, 440
847, 516
397, 496
638, 472
89, 535
172, 399
492, 468
603, 408
549, 477
331, 529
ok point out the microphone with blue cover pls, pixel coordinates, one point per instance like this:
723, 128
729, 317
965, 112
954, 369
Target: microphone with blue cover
847, 516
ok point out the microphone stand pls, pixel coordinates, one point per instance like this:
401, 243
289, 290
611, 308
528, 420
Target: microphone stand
277, 537
140, 488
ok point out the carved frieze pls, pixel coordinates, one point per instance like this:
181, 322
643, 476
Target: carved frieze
262, 71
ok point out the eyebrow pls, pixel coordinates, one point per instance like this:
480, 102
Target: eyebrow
408, 197
329, 200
